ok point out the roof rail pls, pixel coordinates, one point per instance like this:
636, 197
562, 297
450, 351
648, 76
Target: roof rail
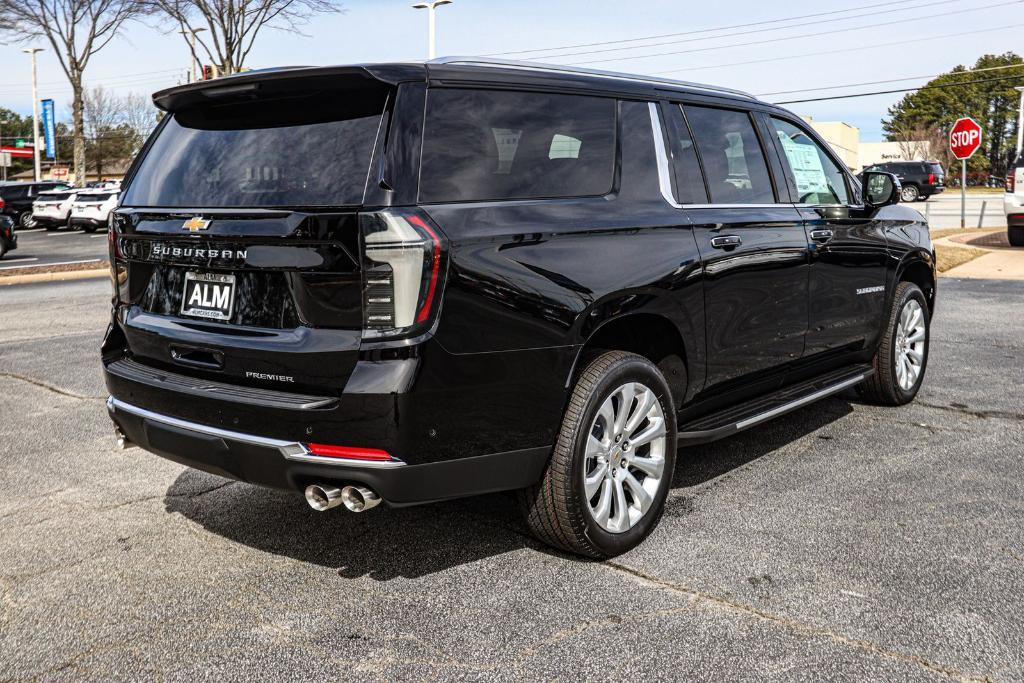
595, 73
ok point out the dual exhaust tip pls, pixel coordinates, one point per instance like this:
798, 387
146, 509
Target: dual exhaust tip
354, 498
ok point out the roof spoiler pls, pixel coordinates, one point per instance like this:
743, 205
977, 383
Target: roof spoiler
253, 84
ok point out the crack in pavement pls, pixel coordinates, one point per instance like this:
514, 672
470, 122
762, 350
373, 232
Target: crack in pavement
791, 624
117, 506
50, 387
964, 410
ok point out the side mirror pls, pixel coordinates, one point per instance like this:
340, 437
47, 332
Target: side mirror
881, 189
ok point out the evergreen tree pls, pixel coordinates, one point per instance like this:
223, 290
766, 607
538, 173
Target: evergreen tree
992, 104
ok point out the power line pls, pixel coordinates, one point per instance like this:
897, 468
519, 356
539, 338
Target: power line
687, 33
778, 40
889, 92
904, 8
841, 50
892, 80
105, 79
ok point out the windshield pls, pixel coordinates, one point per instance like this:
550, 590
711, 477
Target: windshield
312, 150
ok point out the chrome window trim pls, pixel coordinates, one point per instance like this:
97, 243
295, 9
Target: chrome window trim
291, 450
664, 179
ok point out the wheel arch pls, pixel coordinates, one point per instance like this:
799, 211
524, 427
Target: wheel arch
919, 268
646, 333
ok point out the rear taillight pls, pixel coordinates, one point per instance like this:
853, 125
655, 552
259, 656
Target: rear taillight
2, 203
404, 259
1010, 182
931, 178
118, 265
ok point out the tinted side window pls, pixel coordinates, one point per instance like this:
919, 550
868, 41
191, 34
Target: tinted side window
689, 183
511, 145
15, 193
734, 163
818, 179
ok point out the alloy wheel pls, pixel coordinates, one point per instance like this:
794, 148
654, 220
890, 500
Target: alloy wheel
625, 457
908, 193
910, 345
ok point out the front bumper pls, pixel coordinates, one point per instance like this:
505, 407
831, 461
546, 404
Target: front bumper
288, 465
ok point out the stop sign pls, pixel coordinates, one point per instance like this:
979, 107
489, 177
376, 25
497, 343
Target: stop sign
965, 138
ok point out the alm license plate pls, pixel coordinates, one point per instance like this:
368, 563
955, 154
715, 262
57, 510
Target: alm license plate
208, 295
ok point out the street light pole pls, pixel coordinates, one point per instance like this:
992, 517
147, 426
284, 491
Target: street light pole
191, 33
431, 7
35, 110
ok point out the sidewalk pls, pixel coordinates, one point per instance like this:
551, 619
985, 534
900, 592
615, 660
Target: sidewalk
1002, 262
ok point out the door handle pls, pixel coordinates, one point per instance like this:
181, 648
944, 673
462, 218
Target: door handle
726, 242
821, 235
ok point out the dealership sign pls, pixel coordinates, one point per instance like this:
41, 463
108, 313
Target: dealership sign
965, 138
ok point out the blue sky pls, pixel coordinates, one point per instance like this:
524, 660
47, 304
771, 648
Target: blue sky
148, 57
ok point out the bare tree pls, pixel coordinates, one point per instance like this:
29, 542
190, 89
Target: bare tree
76, 29
139, 114
116, 125
224, 31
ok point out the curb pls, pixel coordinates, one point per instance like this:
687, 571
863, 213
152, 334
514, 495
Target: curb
54, 277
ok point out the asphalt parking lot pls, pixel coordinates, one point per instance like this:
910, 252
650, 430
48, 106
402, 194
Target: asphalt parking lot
842, 541
39, 247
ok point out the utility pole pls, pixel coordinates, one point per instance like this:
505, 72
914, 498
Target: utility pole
191, 33
431, 7
1020, 121
35, 110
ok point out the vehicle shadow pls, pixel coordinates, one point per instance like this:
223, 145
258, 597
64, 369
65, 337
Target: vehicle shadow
385, 544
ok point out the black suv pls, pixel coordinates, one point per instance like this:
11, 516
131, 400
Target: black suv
16, 199
920, 179
408, 283
8, 239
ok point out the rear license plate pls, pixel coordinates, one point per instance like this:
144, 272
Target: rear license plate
208, 295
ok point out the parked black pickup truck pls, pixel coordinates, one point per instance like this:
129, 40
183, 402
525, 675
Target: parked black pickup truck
408, 283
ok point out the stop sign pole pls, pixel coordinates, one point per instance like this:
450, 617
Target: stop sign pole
964, 141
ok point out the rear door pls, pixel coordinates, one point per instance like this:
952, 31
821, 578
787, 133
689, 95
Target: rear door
237, 241
847, 247
754, 252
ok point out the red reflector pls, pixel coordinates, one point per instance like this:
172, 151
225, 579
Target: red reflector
329, 451
424, 312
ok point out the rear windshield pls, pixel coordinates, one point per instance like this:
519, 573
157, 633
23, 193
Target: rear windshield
312, 150
934, 168
95, 197
54, 196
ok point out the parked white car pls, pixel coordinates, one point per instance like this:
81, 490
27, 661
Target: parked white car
91, 209
52, 209
1013, 203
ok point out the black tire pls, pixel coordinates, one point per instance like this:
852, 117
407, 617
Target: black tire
3, 249
909, 193
26, 221
1015, 235
556, 509
883, 387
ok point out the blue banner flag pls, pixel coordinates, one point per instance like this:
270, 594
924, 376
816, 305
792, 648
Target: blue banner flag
49, 129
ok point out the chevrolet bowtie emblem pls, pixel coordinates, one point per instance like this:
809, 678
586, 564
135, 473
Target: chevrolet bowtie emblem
195, 224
